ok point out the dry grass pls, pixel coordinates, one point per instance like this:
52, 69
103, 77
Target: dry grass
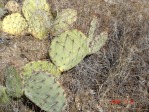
120, 70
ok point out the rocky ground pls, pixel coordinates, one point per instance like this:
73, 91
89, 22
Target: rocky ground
120, 70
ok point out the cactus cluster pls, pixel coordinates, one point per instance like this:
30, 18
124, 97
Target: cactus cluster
38, 19
38, 79
39, 86
70, 47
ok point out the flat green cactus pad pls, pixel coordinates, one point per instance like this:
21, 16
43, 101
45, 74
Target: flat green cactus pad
14, 24
35, 66
42, 89
30, 6
13, 82
4, 98
63, 21
98, 42
68, 49
38, 24
92, 29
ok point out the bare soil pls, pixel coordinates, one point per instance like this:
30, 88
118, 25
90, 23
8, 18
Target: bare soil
120, 70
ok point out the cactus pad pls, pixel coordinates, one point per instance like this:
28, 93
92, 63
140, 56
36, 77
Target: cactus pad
13, 82
92, 29
42, 89
68, 49
63, 21
14, 24
98, 42
4, 98
13, 6
38, 24
30, 6
35, 66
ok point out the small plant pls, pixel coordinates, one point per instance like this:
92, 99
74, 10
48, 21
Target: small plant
39, 19
38, 79
69, 48
40, 87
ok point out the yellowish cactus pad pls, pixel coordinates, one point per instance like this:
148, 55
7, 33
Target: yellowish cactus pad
38, 24
30, 6
13, 6
14, 24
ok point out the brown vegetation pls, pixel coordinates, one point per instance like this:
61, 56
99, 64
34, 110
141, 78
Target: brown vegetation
120, 70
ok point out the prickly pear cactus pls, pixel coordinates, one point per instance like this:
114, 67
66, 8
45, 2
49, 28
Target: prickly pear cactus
35, 66
42, 89
4, 98
68, 49
63, 21
96, 43
30, 6
92, 29
14, 24
38, 24
13, 6
13, 82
